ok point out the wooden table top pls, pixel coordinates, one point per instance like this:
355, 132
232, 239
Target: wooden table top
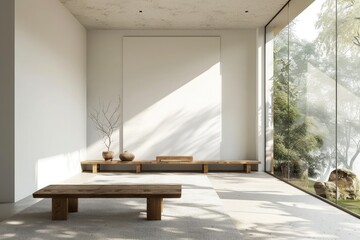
110, 191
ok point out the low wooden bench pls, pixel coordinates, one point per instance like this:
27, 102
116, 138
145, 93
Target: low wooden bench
138, 164
65, 197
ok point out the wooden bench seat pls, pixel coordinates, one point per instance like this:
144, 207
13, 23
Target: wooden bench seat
138, 164
65, 197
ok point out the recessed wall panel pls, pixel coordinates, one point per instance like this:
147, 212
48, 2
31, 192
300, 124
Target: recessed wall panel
172, 96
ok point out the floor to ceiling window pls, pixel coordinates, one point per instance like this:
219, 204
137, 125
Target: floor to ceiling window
313, 98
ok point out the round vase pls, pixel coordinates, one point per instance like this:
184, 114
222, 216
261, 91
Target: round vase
108, 155
127, 156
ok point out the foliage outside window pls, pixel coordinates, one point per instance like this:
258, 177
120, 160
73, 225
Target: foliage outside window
316, 98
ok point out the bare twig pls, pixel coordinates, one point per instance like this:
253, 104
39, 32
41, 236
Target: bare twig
106, 121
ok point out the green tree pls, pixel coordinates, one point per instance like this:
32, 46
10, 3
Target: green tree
348, 72
295, 147
305, 132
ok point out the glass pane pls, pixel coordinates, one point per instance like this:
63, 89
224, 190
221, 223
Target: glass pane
313, 98
312, 93
348, 137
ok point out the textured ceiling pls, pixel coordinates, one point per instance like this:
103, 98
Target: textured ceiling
173, 14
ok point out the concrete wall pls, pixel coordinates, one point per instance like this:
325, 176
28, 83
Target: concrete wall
7, 127
50, 93
238, 70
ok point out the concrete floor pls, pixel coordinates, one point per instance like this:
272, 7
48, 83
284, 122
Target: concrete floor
9, 209
263, 207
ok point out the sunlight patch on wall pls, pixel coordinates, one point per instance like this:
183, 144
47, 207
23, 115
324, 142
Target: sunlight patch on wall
57, 168
186, 122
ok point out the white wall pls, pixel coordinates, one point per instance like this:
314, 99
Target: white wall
172, 100
50, 94
238, 70
7, 100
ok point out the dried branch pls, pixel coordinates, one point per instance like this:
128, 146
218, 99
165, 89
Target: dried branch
106, 120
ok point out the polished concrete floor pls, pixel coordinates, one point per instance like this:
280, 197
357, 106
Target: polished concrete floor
262, 207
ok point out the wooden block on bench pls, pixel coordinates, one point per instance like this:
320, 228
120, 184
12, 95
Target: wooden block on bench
174, 159
65, 197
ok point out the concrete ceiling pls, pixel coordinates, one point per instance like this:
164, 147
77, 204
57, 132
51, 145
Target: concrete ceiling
173, 14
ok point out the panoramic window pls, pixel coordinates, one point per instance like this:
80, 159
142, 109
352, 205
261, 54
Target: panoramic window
313, 98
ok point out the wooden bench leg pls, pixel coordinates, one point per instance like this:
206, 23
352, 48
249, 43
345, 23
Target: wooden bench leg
138, 168
154, 208
205, 168
94, 168
73, 205
247, 168
59, 208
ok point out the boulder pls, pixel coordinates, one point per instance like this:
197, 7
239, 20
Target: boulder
326, 189
348, 183
348, 186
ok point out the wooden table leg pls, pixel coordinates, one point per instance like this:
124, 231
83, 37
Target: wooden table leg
94, 168
138, 168
59, 208
205, 168
154, 208
73, 205
247, 168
